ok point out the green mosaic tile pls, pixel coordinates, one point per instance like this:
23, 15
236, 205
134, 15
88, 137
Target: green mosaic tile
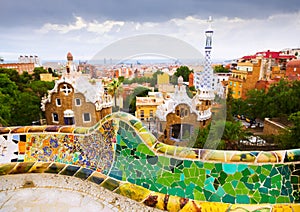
215, 198
266, 169
267, 182
272, 200
264, 198
274, 192
276, 178
220, 191
229, 168
83, 173
246, 172
96, 179
222, 177
23, 167
242, 199
237, 175
257, 196
143, 148
242, 167
70, 170
110, 184
262, 177
55, 168
228, 199
228, 188
210, 187
249, 186
274, 172
234, 183
200, 164
187, 163
208, 166
6, 168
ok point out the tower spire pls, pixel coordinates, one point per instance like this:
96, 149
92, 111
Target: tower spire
204, 79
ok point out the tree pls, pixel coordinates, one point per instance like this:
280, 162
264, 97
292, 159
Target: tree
254, 103
229, 103
130, 101
221, 69
183, 71
290, 138
200, 137
233, 133
27, 109
8, 96
37, 71
114, 88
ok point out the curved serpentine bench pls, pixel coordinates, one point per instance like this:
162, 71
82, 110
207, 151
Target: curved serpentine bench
121, 155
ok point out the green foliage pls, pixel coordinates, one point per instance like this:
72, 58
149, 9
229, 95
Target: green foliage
140, 80
37, 71
221, 69
183, 71
200, 137
291, 137
20, 96
281, 100
130, 101
27, 109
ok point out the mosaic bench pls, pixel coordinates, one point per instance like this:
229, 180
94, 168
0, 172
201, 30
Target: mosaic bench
121, 155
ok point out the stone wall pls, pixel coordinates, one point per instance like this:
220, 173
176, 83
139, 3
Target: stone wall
272, 127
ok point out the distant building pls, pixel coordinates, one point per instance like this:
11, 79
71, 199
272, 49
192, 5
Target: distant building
146, 106
263, 66
19, 67
293, 70
30, 59
76, 100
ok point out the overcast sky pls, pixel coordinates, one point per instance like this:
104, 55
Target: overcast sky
51, 28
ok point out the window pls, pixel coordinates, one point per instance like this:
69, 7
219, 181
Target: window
86, 117
186, 112
230, 83
142, 114
181, 112
77, 102
234, 84
55, 117
151, 113
58, 102
239, 93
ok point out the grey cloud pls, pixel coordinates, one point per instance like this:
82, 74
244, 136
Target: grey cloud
35, 12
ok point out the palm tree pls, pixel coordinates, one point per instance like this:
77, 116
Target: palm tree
114, 88
233, 132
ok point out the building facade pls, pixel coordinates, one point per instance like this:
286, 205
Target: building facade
146, 106
263, 66
19, 67
293, 70
76, 100
178, 118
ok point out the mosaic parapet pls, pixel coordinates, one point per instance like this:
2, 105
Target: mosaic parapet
121, 148
135, 192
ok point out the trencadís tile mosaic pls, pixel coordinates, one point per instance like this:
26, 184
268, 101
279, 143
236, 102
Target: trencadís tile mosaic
121, 155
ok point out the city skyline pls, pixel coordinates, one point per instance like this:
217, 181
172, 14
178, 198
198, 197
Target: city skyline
53, 28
